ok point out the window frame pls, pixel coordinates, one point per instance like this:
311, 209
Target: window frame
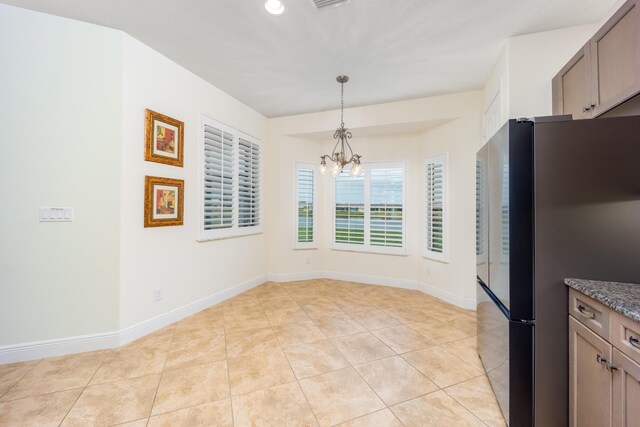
235, 230
314, 243
366, 247
428, 254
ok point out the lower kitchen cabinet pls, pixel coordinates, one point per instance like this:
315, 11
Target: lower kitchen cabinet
590, 387
604, 376
626, 391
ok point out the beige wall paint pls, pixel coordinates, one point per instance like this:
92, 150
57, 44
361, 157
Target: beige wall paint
523, 71
60, 86
170, 258
457, 132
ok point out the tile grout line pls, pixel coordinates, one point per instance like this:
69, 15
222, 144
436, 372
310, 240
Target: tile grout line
315, 417
226, 352
85, 387
462, 404
20, 379
155, 395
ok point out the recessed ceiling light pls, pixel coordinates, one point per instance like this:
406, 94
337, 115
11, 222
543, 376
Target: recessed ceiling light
274, 7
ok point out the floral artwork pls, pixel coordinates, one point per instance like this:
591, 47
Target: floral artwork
163, 201
163, 139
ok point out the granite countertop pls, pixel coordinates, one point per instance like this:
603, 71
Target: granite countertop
621, 297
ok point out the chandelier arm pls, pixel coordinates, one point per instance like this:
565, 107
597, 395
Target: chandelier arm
334, 156
350, 150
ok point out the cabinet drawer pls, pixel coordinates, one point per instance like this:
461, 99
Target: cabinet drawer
625, 336
590, 313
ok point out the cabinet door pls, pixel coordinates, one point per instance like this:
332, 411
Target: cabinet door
626, 391
589, 379
571, 87
615, 59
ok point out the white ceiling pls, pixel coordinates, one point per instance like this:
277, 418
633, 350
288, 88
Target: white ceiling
287, 64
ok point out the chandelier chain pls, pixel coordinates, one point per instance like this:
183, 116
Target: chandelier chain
342, 104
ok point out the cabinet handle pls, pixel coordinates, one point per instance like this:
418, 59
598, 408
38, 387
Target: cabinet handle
611, 367
634, 342
583, 310
586, 109
601, 359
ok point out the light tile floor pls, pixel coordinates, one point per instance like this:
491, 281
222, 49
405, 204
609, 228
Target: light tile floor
309, 353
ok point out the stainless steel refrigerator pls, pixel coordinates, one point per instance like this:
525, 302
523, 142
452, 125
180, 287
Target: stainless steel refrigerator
556, 198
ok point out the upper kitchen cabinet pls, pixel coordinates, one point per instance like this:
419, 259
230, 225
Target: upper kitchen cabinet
571, 86
606, 72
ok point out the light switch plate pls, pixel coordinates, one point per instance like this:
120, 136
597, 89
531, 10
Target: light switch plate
56, 214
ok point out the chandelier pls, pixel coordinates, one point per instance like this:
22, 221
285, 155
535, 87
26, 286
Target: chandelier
342, 154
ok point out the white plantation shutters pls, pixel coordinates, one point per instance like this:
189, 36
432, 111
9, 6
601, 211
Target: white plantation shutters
436, 208
218, 179
387, 206
248, 184
305, 221
349, 209
230, 182
369, 210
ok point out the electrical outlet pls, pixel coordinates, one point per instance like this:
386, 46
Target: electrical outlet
308, 260
428, 271
157, 294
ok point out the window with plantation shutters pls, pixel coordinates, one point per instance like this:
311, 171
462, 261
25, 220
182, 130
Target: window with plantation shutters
369, 210
248, 183
436, 208
387, 207
230, 182
218, 179
349, 209
305, 219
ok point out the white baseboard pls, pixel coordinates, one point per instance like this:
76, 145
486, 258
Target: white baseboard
293, 277
57, 347
79, 344
468, 303
132, 333
372, 280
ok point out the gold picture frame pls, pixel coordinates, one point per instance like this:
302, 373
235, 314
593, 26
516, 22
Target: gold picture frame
164, 139
163, 201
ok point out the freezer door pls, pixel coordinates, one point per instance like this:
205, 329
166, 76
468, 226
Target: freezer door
493, 345
506, 350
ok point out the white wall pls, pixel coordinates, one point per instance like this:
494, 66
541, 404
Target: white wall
72, 107
383, 132
60, 86
521, 76
170, 258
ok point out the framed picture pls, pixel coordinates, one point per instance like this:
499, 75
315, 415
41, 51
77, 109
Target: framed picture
163, 201
164, 139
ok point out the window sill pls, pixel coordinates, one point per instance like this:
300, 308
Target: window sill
442, 260
229, 236
395, 251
